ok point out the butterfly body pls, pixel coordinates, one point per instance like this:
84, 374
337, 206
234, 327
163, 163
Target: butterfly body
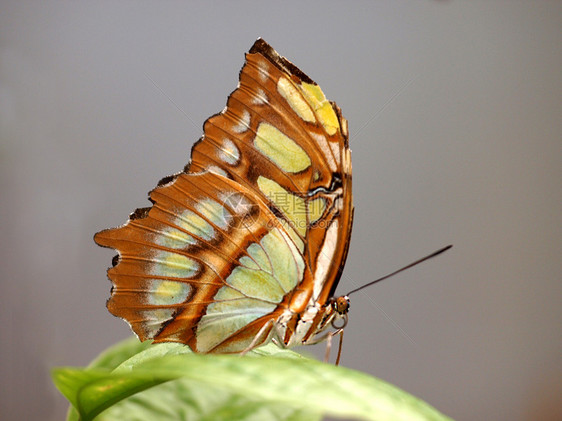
247, 244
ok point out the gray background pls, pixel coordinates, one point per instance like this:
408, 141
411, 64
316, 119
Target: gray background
454, 110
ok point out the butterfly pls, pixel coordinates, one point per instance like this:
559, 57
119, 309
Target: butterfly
246, 244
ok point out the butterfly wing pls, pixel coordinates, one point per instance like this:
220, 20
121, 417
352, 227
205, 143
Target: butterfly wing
257, 224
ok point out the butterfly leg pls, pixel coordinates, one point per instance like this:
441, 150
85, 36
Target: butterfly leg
277, 338
329, 337
264, 330
328, 347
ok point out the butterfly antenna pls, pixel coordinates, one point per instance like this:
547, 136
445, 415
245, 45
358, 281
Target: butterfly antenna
423, 259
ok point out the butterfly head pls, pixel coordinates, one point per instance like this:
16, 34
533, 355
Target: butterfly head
340, 307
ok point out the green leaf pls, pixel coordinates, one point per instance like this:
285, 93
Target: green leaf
167, 381
109, 359
121, 351
187, 400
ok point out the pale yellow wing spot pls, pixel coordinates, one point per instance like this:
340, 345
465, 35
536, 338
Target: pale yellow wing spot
174, 265
321, 106
191, 222
173, 238
281, 149
256, 284
295, 100
164, 292
286, 261
214, 212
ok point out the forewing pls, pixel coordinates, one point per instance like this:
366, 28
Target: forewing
281, 137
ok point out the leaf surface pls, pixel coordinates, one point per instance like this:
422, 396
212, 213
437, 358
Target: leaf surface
168, 381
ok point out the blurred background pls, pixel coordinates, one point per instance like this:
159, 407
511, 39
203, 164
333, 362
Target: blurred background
454, 112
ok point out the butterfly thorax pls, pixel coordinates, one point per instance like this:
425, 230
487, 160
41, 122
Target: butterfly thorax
310, 326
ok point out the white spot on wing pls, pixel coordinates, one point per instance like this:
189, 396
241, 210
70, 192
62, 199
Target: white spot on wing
323, 143
263, 71
243, 123
154, 319
260, 97
229, 153
217, 170
237, 202
325, 258
336, 150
